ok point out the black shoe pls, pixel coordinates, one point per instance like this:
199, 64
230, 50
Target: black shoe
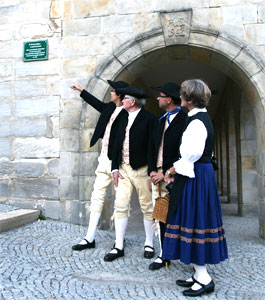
205, 289
149, 254
156, 265
113, 256
80, 247
184, 283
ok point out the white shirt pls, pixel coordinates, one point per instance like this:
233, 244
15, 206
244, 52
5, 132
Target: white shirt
159, 162
125, 148
192, 145
132, 116
105, 140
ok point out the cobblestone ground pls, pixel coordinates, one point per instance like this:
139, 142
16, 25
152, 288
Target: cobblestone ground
5, 208
36, 262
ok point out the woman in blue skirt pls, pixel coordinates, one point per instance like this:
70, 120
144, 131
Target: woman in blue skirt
195, 233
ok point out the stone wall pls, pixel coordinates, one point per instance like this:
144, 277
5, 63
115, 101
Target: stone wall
46, 160
248, 156
30, 107
237, 115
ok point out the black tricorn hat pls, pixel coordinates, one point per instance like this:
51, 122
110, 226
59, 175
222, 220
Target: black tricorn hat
133, 91
117, 84
171, 89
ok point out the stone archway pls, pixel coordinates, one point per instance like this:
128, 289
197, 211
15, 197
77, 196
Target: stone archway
178, 39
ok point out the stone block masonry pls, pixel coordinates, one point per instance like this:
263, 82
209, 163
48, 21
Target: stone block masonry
29, 105
46, 160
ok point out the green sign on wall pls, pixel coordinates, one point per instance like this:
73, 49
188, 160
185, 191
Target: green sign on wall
35, 50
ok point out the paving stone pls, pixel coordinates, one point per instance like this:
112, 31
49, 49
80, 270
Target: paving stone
36, 262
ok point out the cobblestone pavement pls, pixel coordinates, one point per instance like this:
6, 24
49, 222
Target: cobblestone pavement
36, 262
5, 208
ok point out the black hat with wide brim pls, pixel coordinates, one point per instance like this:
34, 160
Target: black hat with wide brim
171, 89
117, 84
133, 91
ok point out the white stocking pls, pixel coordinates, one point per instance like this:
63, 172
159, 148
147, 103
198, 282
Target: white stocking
201, 275
92, 227
149, 228
120, 229
159, 260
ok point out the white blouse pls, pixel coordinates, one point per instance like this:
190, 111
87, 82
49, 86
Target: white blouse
192, 145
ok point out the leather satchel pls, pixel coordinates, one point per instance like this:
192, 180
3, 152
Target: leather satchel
161, 207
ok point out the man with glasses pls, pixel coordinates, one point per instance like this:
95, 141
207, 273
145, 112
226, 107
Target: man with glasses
165, 148
106, 129
129, 167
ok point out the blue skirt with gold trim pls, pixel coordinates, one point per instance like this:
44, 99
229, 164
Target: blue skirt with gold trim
195, 233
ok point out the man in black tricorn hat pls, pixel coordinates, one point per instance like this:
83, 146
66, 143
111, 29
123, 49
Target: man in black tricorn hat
129, 167
106, 129
165, 148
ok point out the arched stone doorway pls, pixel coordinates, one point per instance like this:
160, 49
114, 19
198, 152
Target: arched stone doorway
233, 72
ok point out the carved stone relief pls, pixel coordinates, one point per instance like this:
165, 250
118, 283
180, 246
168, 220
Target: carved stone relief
176, 27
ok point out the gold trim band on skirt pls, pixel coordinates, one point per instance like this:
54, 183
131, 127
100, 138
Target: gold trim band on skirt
195, 240
194, 230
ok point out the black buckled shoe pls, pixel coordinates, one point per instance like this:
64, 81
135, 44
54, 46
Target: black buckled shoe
185, 283
156, 265
112, 256
149, 254
205, 289
80, 247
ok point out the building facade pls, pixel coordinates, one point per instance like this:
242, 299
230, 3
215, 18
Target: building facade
45, 158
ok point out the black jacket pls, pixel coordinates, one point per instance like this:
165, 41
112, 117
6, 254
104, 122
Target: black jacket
139, 140
172, 140
106, 110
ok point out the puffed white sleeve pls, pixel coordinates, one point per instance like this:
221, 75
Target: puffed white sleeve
191, 148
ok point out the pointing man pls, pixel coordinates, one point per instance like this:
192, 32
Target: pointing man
106, 129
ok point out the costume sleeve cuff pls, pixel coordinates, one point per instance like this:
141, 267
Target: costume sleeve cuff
185, 168
115, 170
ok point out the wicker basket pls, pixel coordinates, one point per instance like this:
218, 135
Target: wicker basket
161, 209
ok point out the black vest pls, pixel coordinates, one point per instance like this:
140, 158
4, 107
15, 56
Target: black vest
208, 150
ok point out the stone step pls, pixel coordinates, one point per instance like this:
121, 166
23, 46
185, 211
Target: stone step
16, 218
